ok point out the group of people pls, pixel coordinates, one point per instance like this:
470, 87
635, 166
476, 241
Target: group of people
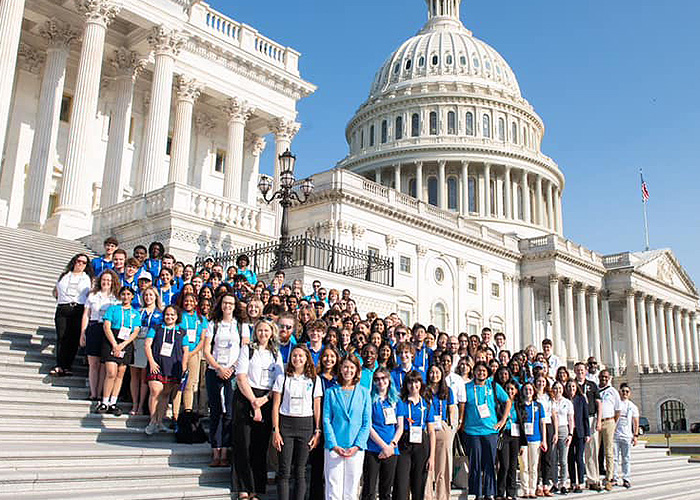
371, 405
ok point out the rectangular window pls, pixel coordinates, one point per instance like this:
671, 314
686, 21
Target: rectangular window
405, 264
371, 136
220, 163
373, 251
66, 107
495, 290
405, 316
473, 329
471, 284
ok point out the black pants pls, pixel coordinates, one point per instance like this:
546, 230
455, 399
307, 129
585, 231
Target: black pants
576, 463
220, 397
411, 469
251, 441
68, 320
507, 459
380, 471
296, 433
317, 480
548, 466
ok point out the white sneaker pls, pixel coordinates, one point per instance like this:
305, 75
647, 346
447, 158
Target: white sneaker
163, 428
151, 429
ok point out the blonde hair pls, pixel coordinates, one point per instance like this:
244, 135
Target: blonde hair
273, 343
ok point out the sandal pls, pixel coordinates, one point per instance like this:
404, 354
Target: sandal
56, 371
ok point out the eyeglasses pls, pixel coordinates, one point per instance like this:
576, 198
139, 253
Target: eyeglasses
81, 261
286, 327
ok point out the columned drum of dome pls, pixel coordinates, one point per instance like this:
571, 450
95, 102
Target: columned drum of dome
447, 99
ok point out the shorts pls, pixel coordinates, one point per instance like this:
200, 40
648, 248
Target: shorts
163, 379
107, 356
94, 336
140, 359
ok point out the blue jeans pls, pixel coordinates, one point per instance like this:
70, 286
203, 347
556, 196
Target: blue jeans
220, 394
481, 452
622, 456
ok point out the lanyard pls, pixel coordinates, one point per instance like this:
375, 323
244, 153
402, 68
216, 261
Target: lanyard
533, 410
167, 330
476, 396
148, 316
420, 407
130, 325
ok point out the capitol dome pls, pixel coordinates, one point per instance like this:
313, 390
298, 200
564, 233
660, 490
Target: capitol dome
446, 123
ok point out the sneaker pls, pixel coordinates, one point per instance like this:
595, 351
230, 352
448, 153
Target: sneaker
151, 429
608, 486
626, 484
162, 428
101, 409
116, 410
563, 490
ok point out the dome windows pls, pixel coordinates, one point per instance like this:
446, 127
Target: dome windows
371, 136
463, 60
397, 67
452, 193
475, 62
435, 60
469, 123
486, 126
421, 61
433, 123
487, 65
415, 125
501, 130
451, 123
384, 132
399, 128
448, 60
514, 132
433, 190
409, 63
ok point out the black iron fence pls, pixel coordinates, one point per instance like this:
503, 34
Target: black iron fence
317, 253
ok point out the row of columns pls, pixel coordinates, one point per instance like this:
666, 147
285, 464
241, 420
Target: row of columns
544, 209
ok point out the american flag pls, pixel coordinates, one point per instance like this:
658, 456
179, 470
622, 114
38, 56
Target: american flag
645, 191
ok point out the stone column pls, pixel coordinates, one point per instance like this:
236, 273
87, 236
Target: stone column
595, 323
607, 332
36, 200
584, 351
166, 45
128, 65
538, 215
525, 188
421, 252
662, 340
71, 219
485, 294
527, 300
508, 194
284, 131
397, 177
556, 313
680, 339
560, 218
550, 208
694, 340
419, 180
442, 185
642, 334
188, 91
238, 112
653, 339
571, 352
631, 320
487, 190
687, 341
671, 332
257, 147
378, 175
465, 188
11, 13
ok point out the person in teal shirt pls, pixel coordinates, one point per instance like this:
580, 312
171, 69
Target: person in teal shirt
347, 418
513, 438
481, 428
242, 263
369, 364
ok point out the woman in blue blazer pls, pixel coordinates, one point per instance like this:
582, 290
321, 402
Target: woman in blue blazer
347, 418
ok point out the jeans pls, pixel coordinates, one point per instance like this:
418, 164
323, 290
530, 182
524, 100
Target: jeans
220, 393
481, 451
561, 452
548, 470
623, 446
296, 433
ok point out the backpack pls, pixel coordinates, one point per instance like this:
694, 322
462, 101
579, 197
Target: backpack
189, 428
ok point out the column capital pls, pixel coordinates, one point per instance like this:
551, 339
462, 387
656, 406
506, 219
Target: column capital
649, 298
422, 251
30, 58
485, 270
462, 263
187, 89
580, 286
127, 63
58, 34
419, 164
238, 110
592, 291
257, 145
507, 277
527, 281
164, 41
98, 11
465, 163
605, 295
553, 278
441, 163
284, 128
391, 241
630, 292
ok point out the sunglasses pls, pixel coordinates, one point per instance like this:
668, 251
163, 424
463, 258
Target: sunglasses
81, 261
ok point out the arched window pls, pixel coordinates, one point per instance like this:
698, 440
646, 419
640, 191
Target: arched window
451, 123
385, 131
486, 127
435, 60
463, 60
397, 67
452, 194
501, 129
433, 190
421, 61
398, 128
412, 187
433, 123
415, 125
440, 316
371, 136
469, 123
514, 132
673, 416
448, 60
473, 195
408, 64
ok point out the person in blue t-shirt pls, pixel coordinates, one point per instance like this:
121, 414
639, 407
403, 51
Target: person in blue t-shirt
166, 289
382, 448
103, 262
535, 429
153, 263
481, 428
424, 355
287, 332
417, 444
404, 353
242, 263
316, 332
506, 486
446, 422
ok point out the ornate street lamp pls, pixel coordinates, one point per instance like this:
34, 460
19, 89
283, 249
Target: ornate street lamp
286, 194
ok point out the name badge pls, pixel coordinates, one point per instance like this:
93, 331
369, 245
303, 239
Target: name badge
223, 358
166, 349
265, 377
390, 416
415, 434
529, 428
515, 430
124, 333
483, 410
191, 335
437, 422
296, 388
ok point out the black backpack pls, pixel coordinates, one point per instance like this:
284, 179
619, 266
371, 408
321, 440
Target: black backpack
189, 428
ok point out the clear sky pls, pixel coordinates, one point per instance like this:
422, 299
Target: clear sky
616, 83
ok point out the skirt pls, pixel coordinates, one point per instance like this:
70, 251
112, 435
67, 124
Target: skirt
94, 336
107, 356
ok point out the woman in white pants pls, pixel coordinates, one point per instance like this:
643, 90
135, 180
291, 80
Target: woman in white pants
347, 418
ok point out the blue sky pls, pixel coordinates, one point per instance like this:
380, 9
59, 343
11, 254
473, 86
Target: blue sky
615, 83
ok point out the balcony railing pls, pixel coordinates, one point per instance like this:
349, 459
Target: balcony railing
317, 253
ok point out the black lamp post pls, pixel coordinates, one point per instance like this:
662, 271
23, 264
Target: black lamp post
286, 196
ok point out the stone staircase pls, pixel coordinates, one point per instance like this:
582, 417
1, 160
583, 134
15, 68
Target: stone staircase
51, 446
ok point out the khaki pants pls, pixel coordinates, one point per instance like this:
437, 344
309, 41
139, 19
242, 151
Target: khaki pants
591, 453
607, 434
193, 365
439, 484
529, 462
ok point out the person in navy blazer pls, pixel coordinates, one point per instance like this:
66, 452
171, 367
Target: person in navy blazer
347, 418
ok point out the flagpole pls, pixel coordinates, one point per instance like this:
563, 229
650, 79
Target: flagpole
646, 226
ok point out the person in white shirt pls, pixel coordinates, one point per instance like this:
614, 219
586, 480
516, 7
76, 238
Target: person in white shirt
564, 409
626, 432
71, 292
548, 473
454, 381
592, 368
610, 413
552, 359
259, 365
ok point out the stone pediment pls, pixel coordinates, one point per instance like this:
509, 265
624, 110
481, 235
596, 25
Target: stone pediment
663, 266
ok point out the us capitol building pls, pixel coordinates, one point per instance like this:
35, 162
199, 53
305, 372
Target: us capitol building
146, 120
